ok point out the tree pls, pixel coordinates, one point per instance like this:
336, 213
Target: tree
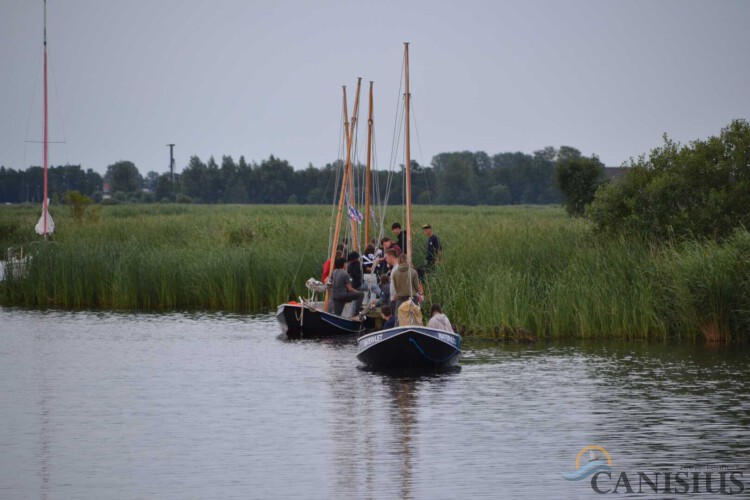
124, 176
150, 181
164, 190
701, 190
456, 178
579, 178
78, 204
193, 178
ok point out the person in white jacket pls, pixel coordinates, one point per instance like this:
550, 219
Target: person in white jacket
438, 320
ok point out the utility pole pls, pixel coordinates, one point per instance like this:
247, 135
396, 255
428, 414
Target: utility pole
171, 161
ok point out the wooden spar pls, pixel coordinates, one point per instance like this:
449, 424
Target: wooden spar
46, 137
342, 195
368, 174
352, 202
407, 146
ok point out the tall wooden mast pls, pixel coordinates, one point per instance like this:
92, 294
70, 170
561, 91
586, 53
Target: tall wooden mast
342, 195
407, 147
352, 201
368, 174
46, 137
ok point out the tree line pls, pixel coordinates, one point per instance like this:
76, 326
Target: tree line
465, 178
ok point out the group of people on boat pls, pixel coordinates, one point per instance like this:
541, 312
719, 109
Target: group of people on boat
384, 271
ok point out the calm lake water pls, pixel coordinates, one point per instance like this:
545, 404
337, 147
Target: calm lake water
213, 406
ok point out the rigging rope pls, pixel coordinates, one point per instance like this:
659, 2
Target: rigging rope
421, 157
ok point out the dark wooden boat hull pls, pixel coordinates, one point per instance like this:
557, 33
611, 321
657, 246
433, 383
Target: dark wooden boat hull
297, 320
409, 347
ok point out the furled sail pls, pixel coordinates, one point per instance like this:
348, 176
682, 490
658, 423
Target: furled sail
40, 226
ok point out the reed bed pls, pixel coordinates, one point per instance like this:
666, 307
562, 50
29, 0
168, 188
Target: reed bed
516, 272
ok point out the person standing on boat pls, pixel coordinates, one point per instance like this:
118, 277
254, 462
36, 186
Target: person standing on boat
342, 291
368, 259
381, 265
354, 269
434, 248
400, 236
438, 320
406, 283
391, 258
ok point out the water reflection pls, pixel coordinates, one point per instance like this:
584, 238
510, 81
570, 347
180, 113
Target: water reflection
175, 406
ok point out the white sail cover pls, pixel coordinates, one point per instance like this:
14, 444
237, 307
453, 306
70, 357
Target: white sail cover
40, 225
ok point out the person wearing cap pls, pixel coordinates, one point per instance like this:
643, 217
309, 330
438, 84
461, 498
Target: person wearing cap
400, 236
434, 248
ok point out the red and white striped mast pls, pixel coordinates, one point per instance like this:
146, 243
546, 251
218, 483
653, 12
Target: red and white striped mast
46, 138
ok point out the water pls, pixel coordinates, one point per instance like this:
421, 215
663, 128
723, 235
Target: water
211, 406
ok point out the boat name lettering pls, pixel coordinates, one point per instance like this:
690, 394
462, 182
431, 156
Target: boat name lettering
371, 340
447, 338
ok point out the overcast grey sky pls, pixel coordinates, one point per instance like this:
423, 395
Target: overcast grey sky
263, 77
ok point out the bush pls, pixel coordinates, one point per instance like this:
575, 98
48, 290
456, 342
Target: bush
697, 191
78, 204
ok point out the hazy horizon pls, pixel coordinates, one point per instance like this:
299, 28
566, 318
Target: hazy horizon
261, 78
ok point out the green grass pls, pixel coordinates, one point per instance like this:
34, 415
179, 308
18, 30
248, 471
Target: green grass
505, 269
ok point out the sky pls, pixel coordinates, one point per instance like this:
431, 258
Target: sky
256, 78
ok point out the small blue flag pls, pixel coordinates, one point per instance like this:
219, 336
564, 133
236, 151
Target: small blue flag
355, 214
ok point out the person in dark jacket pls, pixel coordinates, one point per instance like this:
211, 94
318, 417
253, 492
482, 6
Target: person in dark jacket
389, 320
354, 268
400, 236
434, 248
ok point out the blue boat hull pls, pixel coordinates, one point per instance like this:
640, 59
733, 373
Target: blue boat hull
409, 347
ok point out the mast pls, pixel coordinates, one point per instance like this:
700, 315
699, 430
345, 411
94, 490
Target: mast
407, 138
342, 195
46, 138
352, 202
368, 174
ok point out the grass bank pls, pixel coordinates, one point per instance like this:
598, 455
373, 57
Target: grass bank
506, 269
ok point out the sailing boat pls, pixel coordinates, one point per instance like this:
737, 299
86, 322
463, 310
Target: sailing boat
411, 346
46, 225
311, 317
14, 265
